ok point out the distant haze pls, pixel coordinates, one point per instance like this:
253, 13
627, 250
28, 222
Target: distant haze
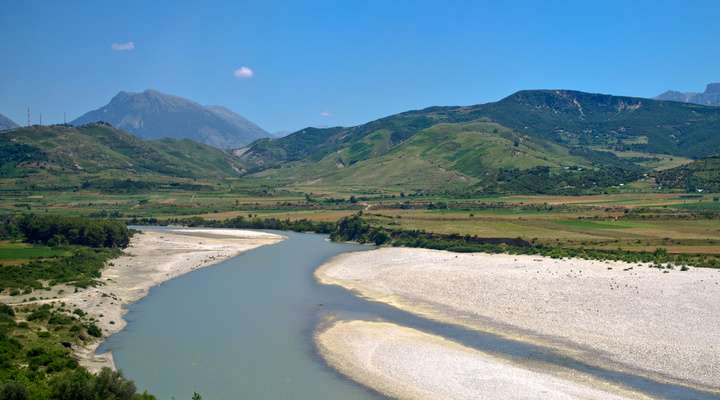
710, 97
6, 123
154, 115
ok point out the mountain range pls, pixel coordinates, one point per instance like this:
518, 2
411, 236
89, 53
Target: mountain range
533, 141
154, 115
710, 97
524, 142
6, 123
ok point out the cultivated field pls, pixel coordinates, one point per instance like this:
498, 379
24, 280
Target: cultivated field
680, 223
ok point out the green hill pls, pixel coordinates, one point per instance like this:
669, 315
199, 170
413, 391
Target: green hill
620, 123
701, 175
532, 141
543, 141
100, 155
443, 156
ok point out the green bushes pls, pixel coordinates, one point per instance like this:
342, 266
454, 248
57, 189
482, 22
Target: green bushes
93, 330
301, 225
90, 244
356, 228
40, 314
352, 229
81, 385
13, 391
106, 385
45, 368
80, 268
35, 360
6, 310
59, 230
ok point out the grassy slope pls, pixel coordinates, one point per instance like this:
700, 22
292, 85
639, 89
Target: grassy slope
457, 153
67, 153
455, 145
442, 156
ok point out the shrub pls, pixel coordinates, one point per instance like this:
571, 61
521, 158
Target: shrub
93, 330
14, 391
40, 313
6, 309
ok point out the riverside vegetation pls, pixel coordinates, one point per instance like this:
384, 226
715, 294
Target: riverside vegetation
82, 246
41, 250
36, 338
356, 228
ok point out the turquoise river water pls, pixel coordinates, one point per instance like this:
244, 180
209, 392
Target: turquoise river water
242, 329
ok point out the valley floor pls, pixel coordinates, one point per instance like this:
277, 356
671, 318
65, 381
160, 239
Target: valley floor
663, 324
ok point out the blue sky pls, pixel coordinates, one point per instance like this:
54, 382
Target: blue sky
345, 62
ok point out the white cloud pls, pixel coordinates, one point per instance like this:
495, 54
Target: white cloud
325, 114
123, 46
244, 72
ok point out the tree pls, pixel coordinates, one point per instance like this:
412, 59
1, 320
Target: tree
380, 237
13, 391
111, 385
94, 235
76, 385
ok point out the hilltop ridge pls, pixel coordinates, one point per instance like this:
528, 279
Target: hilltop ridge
509, 145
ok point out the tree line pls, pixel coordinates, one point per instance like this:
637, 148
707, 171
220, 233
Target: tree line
356, 228
240, 222
56, 230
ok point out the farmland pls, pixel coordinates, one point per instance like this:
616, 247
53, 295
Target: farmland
678, 222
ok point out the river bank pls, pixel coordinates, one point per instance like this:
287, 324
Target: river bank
621, 316
241, 329
152, 258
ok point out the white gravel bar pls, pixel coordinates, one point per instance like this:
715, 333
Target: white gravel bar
621, 316
408, 364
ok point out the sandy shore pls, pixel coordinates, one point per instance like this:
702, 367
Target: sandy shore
152, 258
407, 364
641, 320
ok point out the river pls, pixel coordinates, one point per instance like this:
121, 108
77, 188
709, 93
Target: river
243, 328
